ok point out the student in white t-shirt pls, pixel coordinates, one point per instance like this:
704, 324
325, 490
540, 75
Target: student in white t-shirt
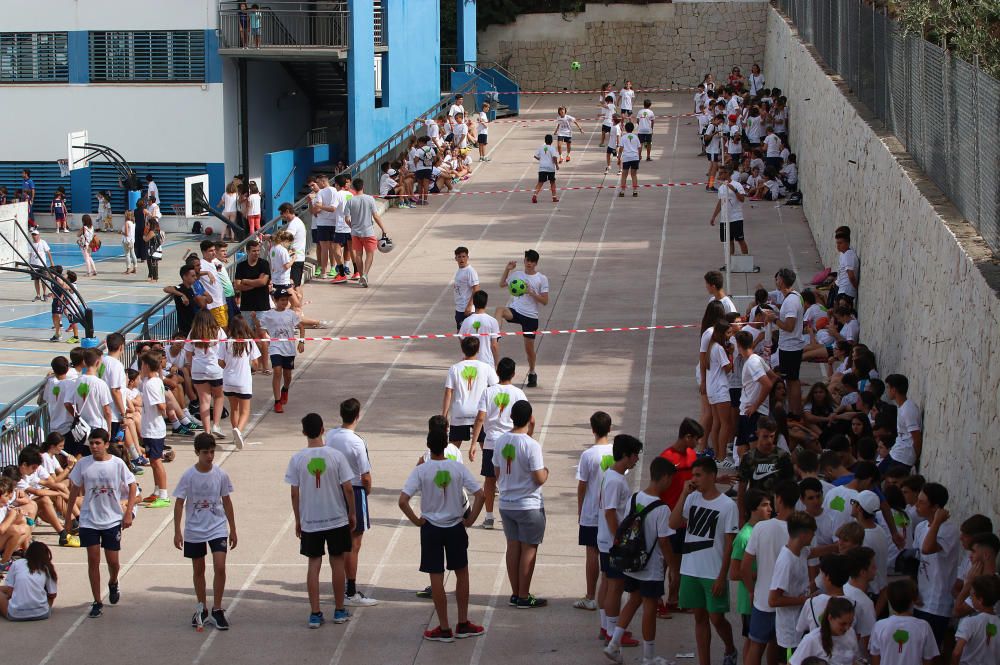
711, 520
323, 504
153, 426
630, 154
909, 442
626, 97
467, 380
976, 640
39, 257
594, 461
29, 589
443, 521
789, 587
645, 119
614, 142
564, 132
521, 472
607, 111
645, 587
482, 130
613, 506
494, 419
939, 548
103, 481
523, 309
204, 508
848, 266
238, 360
731, 197
466, 283
834, 641
790, 342
548, 164
206, 373
902, 639
483, 326
282, 323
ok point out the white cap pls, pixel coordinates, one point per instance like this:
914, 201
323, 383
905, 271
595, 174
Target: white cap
869, 502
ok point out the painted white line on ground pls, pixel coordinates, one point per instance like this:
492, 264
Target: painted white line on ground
501, 575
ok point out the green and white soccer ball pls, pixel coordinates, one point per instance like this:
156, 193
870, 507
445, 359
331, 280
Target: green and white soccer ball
575, 66
518, 287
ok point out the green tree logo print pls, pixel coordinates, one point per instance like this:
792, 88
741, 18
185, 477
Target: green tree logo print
442, 479
838, 504
901, 637
508, 454
991, 632
469, 373
101, 371
502, 400
316, 466
83, 389
607, 462
56, 390
476, 324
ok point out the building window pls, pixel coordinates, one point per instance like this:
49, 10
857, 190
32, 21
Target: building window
161, 56
34, 57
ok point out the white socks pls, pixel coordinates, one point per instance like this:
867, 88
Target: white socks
648, 650
162, 494
616, 636
604, 621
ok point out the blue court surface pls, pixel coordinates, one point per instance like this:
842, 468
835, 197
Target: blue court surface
68, 254
108, 316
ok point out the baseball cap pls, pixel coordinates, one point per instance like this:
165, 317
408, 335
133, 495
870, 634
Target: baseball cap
35, 232
732, 117
868, 501
281, 293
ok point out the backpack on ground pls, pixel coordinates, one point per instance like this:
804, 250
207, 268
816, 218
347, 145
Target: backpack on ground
628, 553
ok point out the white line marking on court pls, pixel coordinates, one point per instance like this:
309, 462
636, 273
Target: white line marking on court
251, 578
477, 652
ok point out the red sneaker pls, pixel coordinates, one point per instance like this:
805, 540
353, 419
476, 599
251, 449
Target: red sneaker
628, 640
662, 611
355, 277
534, 199
468, 629
439, 635
603, 635
284, 395
555, 199
339, 279
278, 406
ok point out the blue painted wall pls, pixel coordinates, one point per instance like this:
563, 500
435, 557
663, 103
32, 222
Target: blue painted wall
276, 168
465, 11
411, 82
78, 45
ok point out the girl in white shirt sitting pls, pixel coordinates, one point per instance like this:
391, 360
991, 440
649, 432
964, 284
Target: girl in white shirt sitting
30, 588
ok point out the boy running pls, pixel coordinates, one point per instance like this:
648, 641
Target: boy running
101, 480
345, 441
630, 154
712, 520
523, 309
323, 503
589, 476
494, 418
547, 167
282, 323
645, 120
206, 511
564, 132
443, 523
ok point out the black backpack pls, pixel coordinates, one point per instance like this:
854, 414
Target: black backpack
628, 552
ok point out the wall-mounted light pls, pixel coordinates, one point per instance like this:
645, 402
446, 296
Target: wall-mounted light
287, 95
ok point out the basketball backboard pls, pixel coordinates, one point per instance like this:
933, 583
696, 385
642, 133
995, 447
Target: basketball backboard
195, 190
78, 156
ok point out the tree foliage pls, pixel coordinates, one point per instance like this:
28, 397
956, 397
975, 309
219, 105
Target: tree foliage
969, 28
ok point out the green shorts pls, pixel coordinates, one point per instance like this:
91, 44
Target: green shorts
696, 594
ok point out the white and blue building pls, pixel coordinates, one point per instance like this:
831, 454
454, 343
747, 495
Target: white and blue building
176, 88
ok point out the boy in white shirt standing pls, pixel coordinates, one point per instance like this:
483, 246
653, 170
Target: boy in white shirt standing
614, 142
203, 506
789, 587
523, 309
443, 522
153, 428
521, 472
848, 265
100, 480
282, 323
626, 97
645, 120
548, 164
939, 548
88, 397
607, 107
467, 380
323, 504
494, 418
483, 326
466, 284
564, 132
902, 639
630, 154
482, 131
976, 639
589, 476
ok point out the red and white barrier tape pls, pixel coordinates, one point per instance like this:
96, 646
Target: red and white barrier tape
558, 189
369, 338
626, 119
583, 92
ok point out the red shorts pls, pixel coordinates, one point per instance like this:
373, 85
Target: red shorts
367, 243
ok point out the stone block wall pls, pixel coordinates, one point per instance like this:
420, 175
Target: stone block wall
653, 45
930, 287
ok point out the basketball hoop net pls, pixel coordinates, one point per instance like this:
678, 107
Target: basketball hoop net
64, 169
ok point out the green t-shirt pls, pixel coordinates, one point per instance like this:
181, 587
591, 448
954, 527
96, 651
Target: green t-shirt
743, 605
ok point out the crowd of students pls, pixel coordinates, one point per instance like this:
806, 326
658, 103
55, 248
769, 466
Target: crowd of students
809, 502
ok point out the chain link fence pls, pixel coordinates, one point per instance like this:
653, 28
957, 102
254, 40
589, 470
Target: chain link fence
945, 111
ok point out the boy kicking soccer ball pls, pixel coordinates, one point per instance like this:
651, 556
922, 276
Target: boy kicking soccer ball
203, 505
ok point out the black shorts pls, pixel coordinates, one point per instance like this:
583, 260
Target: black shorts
610, 572
314, 232
735, 230
57, 306
74, 447
587, 536
487, 470
283, 362
324, 233
333, 541
153, 448
630, 166
789, 363
341, 238
438, 544
364, 520
459, 433
612, 151
746, 432
215, 383
734, 397
297, 269
424, 174
564, 139
481, 139
646, 139
626, 113
745, 619
528, 324
546, 176
713, 157
773, 162
459, 317
605, 129
449, 138
230, 393
645, 588
201, 550
109, 539
939, 624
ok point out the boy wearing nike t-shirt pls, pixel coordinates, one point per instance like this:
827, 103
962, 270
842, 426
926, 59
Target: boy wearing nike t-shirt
712, 520
467, 381
494, 418
766, 464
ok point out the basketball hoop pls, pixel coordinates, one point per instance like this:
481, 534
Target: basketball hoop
64, 169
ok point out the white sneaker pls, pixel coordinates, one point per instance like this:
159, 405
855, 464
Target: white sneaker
217, 432
614, 654
585, 604
363, 281
238, 439
728, 463
359, 600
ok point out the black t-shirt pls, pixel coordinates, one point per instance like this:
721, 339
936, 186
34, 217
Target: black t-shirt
256, 299
185, 313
